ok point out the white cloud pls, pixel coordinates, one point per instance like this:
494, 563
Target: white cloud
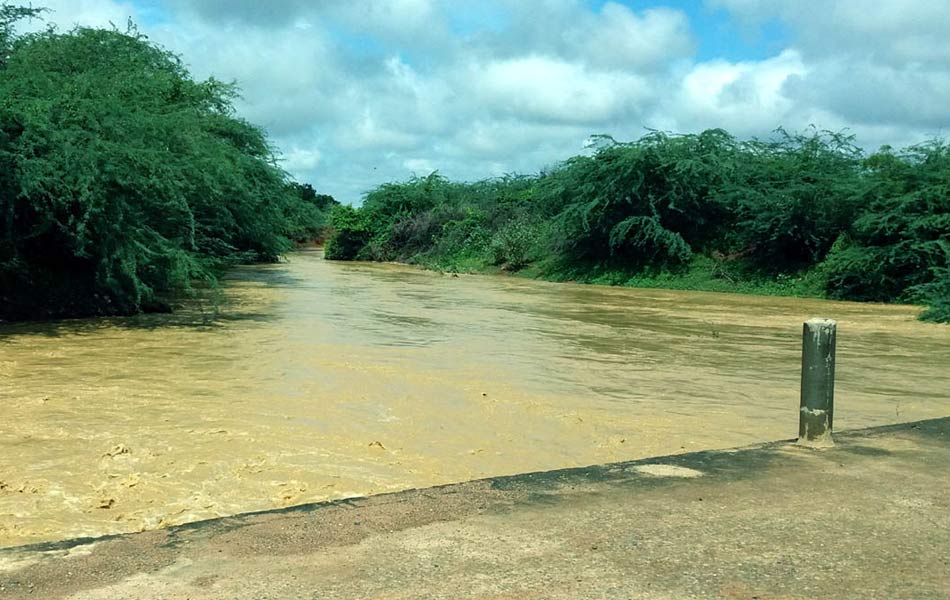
881, 69
420, 166
619, 37
525, 145
358, 92
397, 17
301, 160
745, 98
67, 14
865, 93
889, 31
540, 87
373, 133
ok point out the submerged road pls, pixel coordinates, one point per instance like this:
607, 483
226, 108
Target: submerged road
869, 518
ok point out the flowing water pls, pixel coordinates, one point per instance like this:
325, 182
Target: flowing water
323, 380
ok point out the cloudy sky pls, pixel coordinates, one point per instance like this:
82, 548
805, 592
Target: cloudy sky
358, 92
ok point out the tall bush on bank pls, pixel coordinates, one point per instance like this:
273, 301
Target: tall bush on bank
351, 232
441, 223
647, 203
899, 248
410, 218
122, 180
791, 198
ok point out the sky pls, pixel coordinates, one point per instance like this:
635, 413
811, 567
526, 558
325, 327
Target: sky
355, 93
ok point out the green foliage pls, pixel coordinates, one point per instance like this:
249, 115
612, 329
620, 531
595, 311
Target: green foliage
792, 198
418, 195
305, 217
801, 214
899, 248
9, 16
708, 274
351, 232
936, 294
513, 243
122, 180
307, 193
646, 203
469, 232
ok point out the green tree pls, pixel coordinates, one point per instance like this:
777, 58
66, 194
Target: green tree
899, 248
351, 232
9, 16
640, 204
792, 198
122, 180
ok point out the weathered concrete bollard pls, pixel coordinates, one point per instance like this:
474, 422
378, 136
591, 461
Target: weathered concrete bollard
818, 382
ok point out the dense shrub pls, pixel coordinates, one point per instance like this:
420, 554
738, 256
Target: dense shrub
470, 231
792, 198
122, 180
645, 203
936, 294
307, 218
799, 213
899, 248
351, 233
513, 243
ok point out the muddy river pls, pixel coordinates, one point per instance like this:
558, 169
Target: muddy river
320, 380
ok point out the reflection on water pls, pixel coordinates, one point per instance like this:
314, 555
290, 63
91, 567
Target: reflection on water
322, 380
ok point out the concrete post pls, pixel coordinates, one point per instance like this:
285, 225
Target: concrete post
818, 382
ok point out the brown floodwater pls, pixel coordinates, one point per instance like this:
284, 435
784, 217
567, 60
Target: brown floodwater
322, 380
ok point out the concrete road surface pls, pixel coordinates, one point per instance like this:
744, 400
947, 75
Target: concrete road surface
869, 518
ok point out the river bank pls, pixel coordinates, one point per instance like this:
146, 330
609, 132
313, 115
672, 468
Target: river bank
702, 274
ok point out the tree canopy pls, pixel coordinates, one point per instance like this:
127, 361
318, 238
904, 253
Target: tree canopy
123, 180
